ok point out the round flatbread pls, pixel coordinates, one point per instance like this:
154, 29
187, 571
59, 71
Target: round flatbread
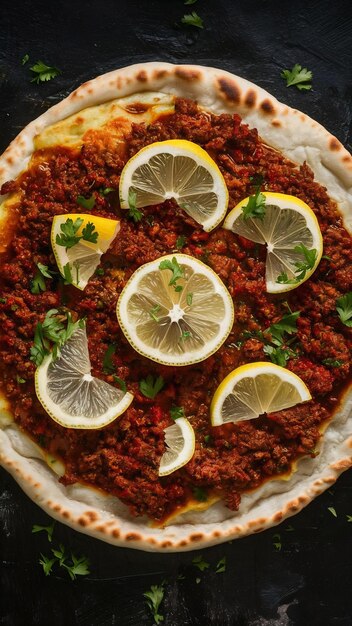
297, 137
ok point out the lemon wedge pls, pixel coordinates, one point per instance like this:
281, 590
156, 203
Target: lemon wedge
291, 232
254, 389
180, 446
176, 169
175, 310
90, 235
71, 395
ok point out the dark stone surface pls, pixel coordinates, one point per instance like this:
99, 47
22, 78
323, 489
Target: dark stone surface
308, 581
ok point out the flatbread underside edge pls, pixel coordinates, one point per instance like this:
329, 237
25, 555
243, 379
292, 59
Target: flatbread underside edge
299, 138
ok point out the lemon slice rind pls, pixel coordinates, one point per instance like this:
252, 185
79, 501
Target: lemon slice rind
209, 319
295, 222
254, 389
180, 446
178, 169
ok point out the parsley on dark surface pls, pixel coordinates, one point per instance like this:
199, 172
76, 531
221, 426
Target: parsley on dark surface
199, 562
25, 59
176, 412
52, 333
344, 309
150, 387
86, 203
302, 267
193, 19
108, 365
255, 208
38, 282
221, 566
48, 529
43, 72
154, 598
134, 213
299, 76
74, 566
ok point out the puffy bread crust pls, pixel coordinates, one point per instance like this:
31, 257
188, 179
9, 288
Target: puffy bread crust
86, 509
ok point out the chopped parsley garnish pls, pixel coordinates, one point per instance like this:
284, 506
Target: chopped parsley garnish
104, 191
47, 564
344, 309
120, 382
108, 365
150, 387
280, 356
87, 203
134, 213
177, 271
302, 267
287, 324
189, 298
43, 72
52, 331
200, 494
349, 518
192, 19
75, 566
20, 380
208, 439
186, 334
277, 542
3, 300
25, 59
332, 362
38, 282
280, 352
332, 511
199, 562
69, 229
221, 566
154, 598
255, 207
153, 312
190, 1
180, 242
299, 76
48, 529
68, 274
176, 412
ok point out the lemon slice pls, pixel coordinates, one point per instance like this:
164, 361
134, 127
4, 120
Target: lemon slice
180, 442
177, 169
78, 263
254, 389
71, 395
288, 222
175, 320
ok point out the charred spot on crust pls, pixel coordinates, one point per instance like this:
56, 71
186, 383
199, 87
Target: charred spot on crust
276, 123
250, 99
230, 90
267, 107
132, 537
116, 533
142, 76
160, 74
186, 74
334, 144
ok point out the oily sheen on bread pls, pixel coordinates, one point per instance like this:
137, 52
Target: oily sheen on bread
296, 136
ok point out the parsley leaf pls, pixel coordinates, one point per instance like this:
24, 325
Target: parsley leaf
79, 566
68, 236
25, 59
87, 203
255, 207
176, 412
177, 271
68, 274
47, 564
154, 598
108, 365
189, 298
221, 565
186, 334
193, 19
280, 356
133, 212
200, 494
332, 511
88, 233
287, 324
120, 382
349, 518
48, 529
150, 387
43, 72
277, 542
104, 191
180, 242
301, 266
298, 76
52, 331
332, 362
344, 309
153, 312
199, 562
38, 282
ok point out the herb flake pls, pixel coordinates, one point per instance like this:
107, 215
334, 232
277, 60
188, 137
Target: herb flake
154, 598
193, 19
150, 387
344, 309
298, 76
43, 72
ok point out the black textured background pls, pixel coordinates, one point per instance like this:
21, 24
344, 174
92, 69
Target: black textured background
308, 581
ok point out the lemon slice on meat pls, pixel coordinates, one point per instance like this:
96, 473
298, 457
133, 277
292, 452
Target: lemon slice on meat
176, 169
79, 262
71, 395
254, 389
288, 222
180, 446
175, 310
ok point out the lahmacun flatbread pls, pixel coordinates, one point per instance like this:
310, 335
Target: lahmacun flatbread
243, 477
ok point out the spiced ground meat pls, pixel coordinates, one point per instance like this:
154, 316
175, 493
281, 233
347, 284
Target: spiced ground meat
123, 458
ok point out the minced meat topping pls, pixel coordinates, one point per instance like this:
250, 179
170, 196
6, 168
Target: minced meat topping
123, 458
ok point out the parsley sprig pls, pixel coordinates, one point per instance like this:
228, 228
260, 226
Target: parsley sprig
48, 529
299, 76
344, 308
74, 565
52, 332
193, 19
177, 272
134, 213
87, 203
255, 208
43, 72
302, 267
176, 412
69, 229
154, 598
38, 282
150, 387
278, 347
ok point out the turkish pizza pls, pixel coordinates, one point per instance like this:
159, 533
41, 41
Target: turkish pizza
175, 308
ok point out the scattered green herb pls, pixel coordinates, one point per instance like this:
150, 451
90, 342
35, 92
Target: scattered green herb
189, 298
193, 19
3, 300
87, 203
199, 562
208, 439
176, 412
68, 274
150, 387
100, 271
344, 309
14, 307
20, 380
326, 257
349, 518
153, 312
43, 72
52, 331
47, 564
108, 365
287, 324
154, 598
186, 334
332, 362
104, 191
190, 1
332, 511
301, 266
69, 229
255, 208
200, 494
298, 76
134, 213
177, 271
25, 59
48, 529
221, 566
38, 282
180, 242
120, 382
277, 542
280, 356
